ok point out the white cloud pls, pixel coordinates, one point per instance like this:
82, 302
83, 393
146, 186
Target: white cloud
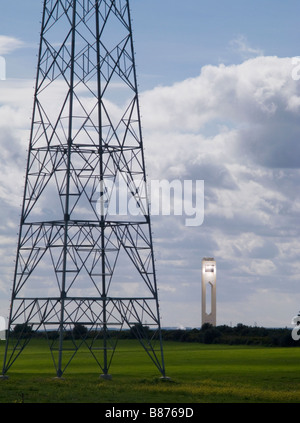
238, 94
225, 115
9, 44
242, 46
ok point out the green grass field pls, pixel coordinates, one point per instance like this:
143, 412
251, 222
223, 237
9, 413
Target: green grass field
200, 374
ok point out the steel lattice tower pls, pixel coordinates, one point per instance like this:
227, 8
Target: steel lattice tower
78, 265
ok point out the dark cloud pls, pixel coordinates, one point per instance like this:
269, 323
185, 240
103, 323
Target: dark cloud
275, 145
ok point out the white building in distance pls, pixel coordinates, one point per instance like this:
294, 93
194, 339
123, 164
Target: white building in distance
209, 297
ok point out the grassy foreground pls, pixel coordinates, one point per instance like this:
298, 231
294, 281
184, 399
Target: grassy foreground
200, 373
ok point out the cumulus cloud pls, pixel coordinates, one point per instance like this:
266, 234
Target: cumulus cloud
15, 109
236, 128
242, 46
229, 116
9, 44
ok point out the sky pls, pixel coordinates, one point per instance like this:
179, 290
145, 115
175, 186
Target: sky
220, 101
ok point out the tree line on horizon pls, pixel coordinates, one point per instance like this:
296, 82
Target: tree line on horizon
238, 335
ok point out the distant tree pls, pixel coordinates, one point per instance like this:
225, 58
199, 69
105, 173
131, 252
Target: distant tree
206, 326
23, 330
241, 328
210, 335
79, 331
139, 331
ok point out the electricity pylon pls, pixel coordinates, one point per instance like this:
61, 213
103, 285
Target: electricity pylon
84, 269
